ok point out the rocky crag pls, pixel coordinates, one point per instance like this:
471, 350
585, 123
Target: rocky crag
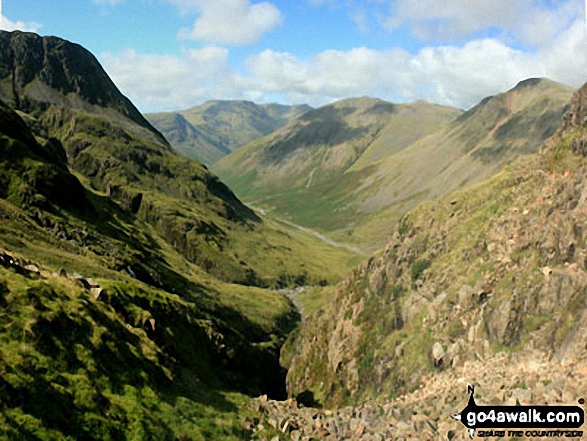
503, 379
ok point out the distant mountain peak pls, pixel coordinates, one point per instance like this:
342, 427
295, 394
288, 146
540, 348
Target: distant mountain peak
212, 130
530, 82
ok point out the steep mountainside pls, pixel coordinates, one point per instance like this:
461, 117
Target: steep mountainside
497, 267
380, 160
213, 130
126, 305
107, 332
36, 73
109, 144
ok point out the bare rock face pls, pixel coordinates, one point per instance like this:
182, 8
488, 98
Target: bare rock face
576, 118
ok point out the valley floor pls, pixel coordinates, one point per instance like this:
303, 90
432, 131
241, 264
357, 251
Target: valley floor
314, 233
425, 414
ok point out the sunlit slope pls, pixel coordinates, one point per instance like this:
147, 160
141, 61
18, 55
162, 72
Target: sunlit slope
107, 330
127, 309
119, 154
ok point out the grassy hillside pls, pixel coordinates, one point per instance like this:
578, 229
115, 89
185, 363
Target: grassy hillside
380, 160
107, 331
212, 130
497, 267
311, 171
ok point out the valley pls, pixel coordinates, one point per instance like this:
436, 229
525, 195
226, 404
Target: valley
340, 272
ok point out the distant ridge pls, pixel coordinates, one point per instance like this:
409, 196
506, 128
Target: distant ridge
214, 129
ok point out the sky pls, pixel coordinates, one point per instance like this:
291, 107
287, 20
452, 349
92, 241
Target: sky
169, 55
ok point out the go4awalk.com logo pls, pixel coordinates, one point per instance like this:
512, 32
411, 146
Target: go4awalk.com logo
545, 421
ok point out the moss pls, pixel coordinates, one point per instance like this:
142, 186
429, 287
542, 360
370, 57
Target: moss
418, 268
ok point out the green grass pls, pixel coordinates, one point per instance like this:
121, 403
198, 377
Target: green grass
193, 211
418, 268
315, 298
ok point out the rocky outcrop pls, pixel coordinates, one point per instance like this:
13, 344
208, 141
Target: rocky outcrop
425, 414
576, 117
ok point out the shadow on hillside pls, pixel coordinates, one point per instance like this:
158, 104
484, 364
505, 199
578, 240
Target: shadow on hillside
323, 127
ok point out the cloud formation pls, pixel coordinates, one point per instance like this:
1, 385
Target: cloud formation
230, 22
169, 82
454, 75
8, 25
531, 21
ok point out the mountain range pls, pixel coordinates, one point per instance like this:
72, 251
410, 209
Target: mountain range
214, 129
132, 281
379, 160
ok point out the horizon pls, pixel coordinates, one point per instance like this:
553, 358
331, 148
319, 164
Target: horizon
400, 51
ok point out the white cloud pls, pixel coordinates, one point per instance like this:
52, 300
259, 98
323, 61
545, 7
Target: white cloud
169, 82
361, 19
9, 25
531, 21
449, 75
233, 22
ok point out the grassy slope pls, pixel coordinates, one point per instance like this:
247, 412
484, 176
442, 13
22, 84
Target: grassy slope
476, 146
387, 170
108, 143
190, 208
499, 266
310, 171
212, 130
74, 367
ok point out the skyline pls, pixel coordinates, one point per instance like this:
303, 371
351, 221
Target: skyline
174, 54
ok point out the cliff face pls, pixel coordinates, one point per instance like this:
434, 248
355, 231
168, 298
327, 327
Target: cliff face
576, 119
501, 266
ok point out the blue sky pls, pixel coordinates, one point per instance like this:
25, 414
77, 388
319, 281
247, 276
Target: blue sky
174, 54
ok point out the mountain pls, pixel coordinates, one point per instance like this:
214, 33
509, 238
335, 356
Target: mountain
107, 333
36, 73
213, 130
489, 273
349, 169
132, 299
118, 153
